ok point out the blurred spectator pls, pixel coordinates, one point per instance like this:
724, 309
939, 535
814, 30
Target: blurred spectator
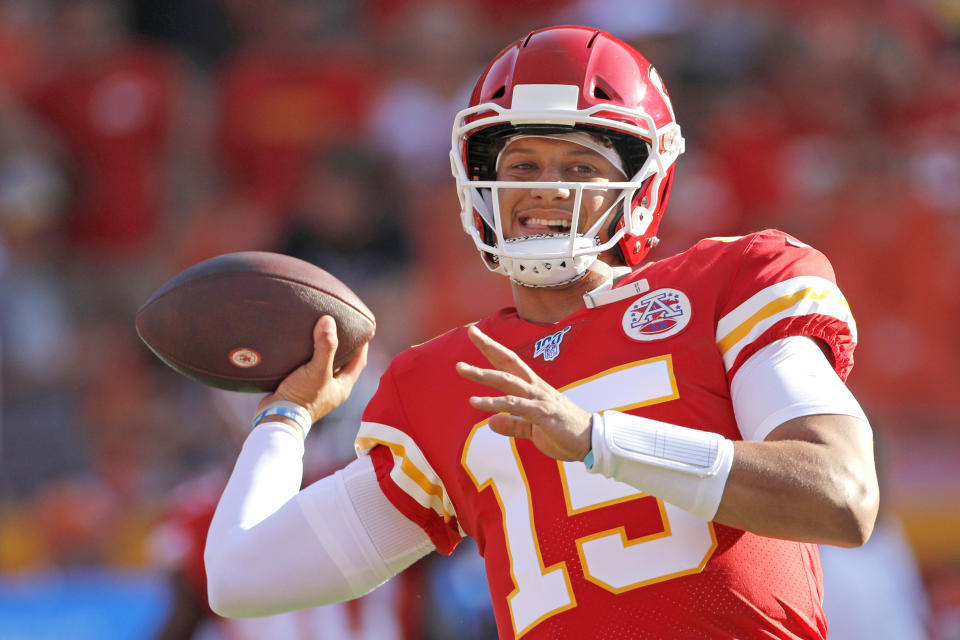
114, 102
888, 242
751, 117
349, 217
944, 586
220, 220
36, 333
620, 17
431, 54
702, 205
459, 596
496, 14
201, 29
32, 199
76, 518
23, 35
285, 94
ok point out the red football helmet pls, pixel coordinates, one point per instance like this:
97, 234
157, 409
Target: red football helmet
560, 80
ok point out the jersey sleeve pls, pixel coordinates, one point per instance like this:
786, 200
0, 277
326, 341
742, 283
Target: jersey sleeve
782, 287
405, 476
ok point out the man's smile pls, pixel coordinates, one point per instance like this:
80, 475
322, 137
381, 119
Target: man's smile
539, 221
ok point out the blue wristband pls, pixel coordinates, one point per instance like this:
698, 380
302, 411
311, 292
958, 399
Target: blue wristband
287, 410
589, 460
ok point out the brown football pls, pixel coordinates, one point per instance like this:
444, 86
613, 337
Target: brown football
243, 321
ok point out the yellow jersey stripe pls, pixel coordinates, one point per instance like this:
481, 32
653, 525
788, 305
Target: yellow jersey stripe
772, 308
410, 470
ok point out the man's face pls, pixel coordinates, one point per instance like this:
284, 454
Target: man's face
526, 212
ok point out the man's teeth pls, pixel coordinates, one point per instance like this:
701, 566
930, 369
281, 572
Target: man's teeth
548, 223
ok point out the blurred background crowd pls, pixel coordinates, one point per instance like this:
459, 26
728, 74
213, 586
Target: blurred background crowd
140, 137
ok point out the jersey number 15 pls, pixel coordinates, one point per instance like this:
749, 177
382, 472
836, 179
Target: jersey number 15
609, 558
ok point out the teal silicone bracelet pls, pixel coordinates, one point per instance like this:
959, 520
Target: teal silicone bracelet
286, 413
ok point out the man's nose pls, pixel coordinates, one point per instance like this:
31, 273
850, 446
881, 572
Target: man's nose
550, 174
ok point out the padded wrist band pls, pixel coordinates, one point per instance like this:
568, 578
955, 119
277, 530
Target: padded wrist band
685, 467
288, 410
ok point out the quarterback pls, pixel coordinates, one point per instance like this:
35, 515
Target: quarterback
641, 449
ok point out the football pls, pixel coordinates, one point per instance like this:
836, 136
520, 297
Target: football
243, 321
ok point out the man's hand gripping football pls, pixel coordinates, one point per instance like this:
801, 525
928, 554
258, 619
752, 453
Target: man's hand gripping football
532, 408
315, 386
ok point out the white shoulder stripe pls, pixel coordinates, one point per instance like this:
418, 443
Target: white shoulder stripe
411, 471
803, 295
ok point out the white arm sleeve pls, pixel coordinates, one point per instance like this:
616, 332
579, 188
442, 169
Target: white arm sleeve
787, 379
273, 548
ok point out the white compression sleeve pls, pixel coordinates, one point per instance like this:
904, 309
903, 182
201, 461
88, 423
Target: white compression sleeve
272, 548
398, 540
787, 379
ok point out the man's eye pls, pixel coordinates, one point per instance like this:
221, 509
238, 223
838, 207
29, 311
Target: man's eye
583, 169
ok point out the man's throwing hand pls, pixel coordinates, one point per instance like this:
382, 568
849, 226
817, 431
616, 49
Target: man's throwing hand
315, 385
532, 408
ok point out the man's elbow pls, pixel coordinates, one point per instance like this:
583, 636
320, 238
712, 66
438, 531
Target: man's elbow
224, 588
858, 511
220, 597
222, 604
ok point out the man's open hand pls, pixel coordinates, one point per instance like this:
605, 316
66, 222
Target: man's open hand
531, 408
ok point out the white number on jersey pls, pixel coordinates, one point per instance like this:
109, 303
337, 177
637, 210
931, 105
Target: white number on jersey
609, 558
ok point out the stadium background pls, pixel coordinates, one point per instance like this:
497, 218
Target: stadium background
139, 137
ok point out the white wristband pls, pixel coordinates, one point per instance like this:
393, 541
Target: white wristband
686, 467
288, 410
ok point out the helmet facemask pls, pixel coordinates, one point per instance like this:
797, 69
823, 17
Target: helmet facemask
556, 259
546, 259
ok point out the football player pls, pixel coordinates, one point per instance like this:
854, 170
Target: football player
641, 449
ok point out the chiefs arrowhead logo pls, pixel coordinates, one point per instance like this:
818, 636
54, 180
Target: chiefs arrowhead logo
244, 358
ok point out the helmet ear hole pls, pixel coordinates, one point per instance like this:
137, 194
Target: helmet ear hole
641, 222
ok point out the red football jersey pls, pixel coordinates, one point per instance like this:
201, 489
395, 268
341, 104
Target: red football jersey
571, 554
116, 119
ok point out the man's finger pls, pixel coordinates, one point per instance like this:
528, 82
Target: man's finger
514, 405
511, 426
504, 381
324, 345
499, 356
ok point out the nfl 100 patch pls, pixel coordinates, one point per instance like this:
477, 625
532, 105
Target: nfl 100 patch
657, 315
549, 347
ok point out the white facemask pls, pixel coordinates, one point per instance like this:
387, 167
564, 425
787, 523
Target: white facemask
550, 259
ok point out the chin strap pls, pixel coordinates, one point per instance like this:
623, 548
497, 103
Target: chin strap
605, 293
